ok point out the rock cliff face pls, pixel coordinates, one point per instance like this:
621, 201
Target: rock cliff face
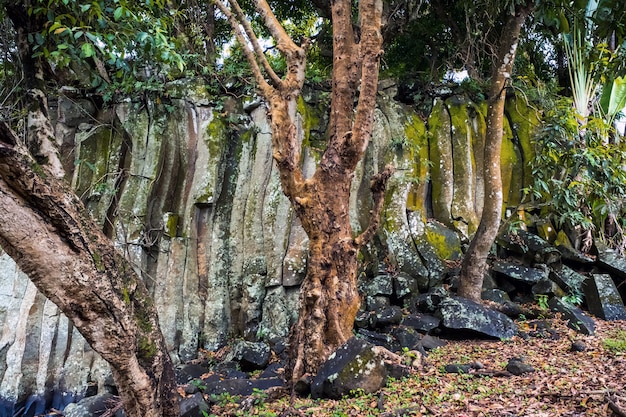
187, 189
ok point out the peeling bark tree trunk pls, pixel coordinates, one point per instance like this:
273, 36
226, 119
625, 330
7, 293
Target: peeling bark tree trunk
46, 229
329, 299
475, 260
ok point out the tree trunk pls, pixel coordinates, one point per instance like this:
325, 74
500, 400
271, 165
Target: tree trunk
475, 260
329, 298
46, 229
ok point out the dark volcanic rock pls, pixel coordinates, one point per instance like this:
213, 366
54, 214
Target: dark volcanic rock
379, 339
611, 261
381, 284
388, 316
575, 256
496, 295
568, 279
603, 299
354, 366
577, 320
408, 337
93, 406
404, 284
533, 248
193, 406
429, 342
517, 366
240, 387
250, 355
463, 314
519, 273
457, 368
421, 322
429, 302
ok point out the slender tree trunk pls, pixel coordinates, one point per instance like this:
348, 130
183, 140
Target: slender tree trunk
46, 229
475, 260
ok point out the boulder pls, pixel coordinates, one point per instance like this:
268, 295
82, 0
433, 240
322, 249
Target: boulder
519, 273
533, 248
381, 284
250, 355
379, 339
569, 254
421, 322
356, 365
377, 302
603, 299
194, 406
408, 338
94, 406
568, 279
404, 285
518, 366
577, 320
496, 295
216, 387
462, 314
388, 316
611, 261
429, 302
430, 342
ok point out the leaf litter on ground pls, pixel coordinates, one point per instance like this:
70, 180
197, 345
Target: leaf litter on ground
565, 382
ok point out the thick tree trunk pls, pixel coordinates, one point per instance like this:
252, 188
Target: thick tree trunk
475, 261
46, 229
329, 298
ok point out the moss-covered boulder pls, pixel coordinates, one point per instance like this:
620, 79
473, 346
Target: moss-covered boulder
355, 367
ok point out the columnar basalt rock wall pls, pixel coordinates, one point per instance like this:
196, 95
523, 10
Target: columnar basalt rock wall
187, 189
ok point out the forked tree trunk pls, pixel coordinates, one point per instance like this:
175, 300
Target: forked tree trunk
475, 261
46, 229
329, 299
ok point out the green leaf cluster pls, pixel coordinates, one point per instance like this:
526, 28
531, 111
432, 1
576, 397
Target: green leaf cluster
578, 173
108, 44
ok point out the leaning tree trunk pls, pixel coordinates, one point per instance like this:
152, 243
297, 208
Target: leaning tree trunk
46, 229
329, 298
49, 233
475, 260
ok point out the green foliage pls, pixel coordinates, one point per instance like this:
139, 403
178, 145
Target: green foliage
617, 343
198, 383
114, 39
578, 173
542, 301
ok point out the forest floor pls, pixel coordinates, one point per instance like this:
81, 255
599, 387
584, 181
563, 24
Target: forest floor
564, 383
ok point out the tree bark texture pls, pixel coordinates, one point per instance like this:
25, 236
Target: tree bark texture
475, 261
329, 298
46, 229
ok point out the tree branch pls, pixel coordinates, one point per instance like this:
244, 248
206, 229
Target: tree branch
243, 40
258, 51
378, 185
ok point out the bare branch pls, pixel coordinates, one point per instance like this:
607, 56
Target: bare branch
258, 51
293, 53
378, 185
239, 34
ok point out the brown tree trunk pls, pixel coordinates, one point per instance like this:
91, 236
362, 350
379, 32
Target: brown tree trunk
46, 229
329, 298
475, 260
